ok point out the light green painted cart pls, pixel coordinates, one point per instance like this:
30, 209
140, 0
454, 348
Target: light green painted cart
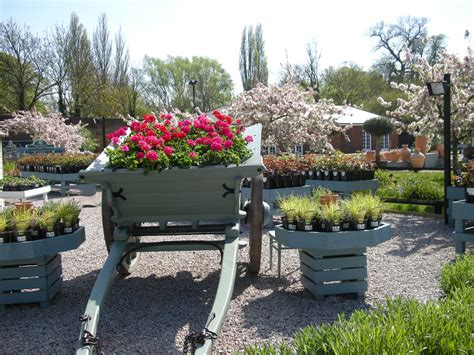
176, 201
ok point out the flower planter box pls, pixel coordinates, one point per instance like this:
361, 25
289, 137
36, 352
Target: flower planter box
31, 271
333, 263
463, 213
346, 187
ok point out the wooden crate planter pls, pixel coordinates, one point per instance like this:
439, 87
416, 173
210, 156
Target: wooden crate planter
463, 213
333, 263
31, 271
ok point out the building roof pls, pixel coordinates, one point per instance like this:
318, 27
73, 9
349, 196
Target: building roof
354, 116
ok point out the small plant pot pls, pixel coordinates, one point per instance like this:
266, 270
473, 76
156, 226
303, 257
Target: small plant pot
344, 175
335, 175
22, 206
21, 237
470, 194
333, 227
287, 181
346, 225
5, 237
326, 175
359, 225
327, 199
373, 223
59, 229
68, 229
279, 183
303, 227
318, 175
35, 234
302, 180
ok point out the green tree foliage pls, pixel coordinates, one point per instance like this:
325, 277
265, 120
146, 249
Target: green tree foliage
80, 68
253, 62
408, 32
354, 86
23, 67
167, 83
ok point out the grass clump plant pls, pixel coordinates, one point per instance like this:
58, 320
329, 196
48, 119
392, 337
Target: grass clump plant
400, 326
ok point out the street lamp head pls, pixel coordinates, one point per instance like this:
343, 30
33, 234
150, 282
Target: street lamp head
436, 88
192, 82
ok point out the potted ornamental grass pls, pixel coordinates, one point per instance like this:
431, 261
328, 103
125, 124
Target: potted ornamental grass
22, 220
5, 219
374, 210
332, 216
69, 215
356, 211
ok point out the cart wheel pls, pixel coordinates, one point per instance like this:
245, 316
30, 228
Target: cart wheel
131, 262
256, 223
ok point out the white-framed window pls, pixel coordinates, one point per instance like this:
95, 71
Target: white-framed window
297, 149
385, 142
271, 150
366, 141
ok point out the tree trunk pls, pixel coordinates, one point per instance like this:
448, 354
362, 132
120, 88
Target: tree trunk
377, 148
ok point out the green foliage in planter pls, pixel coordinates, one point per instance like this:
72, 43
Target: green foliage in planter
458, 275
332, 213
354, 209
79, 160
69, 211
19, 181
5, 220
22, 220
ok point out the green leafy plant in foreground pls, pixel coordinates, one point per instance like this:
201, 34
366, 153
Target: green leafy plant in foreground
398, 327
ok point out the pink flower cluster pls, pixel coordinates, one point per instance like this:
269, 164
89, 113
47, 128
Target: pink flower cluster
169, 141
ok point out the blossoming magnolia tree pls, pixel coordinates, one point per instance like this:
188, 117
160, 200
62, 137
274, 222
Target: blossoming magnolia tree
418, 113
288, 116
51, 128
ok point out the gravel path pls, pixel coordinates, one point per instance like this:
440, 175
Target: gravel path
170, 293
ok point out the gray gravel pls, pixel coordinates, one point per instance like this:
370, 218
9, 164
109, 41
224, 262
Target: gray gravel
170, 293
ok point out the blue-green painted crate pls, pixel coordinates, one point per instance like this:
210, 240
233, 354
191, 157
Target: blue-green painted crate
462, 213
31, 271
39, 280
334, 272
333, 240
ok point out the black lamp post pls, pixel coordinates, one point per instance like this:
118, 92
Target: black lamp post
193, 83
443, 88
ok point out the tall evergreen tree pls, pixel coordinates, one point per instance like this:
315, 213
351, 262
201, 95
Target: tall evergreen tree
253, 61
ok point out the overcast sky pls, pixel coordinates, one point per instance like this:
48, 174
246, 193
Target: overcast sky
213, 28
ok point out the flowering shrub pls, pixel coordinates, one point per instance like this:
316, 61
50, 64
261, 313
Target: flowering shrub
289, 116
51, 128
175, 139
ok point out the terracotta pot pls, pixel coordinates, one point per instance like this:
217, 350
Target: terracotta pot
22, 206
370, 155
440, 149
327, 199
421, 143
417, 159
394, 155
405, 153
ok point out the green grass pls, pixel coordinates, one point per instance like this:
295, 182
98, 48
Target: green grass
458, 275
401, 326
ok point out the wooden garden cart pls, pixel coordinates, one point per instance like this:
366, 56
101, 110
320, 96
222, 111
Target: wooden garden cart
177, 201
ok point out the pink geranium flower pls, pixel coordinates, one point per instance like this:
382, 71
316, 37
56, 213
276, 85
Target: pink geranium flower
124, 148
248, 139
168, 150
228, 144
216, 146
191, 142
140, 155
193, 154
152, 155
